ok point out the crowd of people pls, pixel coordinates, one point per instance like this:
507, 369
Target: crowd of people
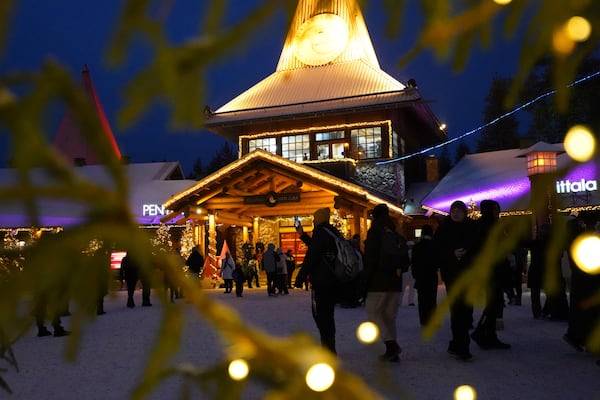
447, 252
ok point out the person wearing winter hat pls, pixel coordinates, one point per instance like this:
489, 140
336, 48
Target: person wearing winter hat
454, 241
321, 216
321, 250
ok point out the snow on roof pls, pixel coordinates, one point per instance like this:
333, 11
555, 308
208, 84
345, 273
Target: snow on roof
150, 184
502, 176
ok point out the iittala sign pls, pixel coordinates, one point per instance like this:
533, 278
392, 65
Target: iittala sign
583, 185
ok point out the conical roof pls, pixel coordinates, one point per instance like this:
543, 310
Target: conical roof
69, 139
327, 58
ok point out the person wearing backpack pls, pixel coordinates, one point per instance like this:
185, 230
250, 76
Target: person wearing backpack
384, 281
321, 253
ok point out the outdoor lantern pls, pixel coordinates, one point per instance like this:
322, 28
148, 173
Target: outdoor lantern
541, 168
541, 158
540, 162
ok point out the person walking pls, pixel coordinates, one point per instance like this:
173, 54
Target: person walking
454, 241
269, 260
485, 333
321, 252
227, 267
384, 283
424, 269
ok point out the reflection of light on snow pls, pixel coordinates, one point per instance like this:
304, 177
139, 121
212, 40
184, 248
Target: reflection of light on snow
586, 253
502, 193
465, 392
367, 332
320, 377
238, 369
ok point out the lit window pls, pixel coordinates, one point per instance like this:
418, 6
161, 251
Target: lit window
295, 148
268, 144
331, 145
321, 136
366, 142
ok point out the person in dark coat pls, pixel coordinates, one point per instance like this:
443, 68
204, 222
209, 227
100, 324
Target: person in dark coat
384, 284
454, 241
130, 273
535, 273
195, 262
584, 313
269, 264
320, 253
485, 333
425, 272
238, 277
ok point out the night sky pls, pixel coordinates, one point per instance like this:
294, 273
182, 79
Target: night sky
77, 33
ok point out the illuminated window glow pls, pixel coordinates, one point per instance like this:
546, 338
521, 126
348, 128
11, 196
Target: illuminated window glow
296, 147
365, 143
268, 144
540, 162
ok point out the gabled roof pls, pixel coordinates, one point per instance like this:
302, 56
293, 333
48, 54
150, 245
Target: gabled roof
502, 176
149, 184
261, 173
69, 140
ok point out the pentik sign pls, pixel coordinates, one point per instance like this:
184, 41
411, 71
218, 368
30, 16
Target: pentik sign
153, 210
583, 185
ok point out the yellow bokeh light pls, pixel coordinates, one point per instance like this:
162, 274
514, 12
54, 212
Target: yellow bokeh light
502, 2
585, 251
561, 42
465, 392
238, 369
580, 143
578, 29
320, 377
367, 332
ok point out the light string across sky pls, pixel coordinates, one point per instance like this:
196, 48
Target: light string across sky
492, 122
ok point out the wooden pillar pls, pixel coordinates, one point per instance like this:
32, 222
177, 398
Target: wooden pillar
244, 234
255, 235
212, 240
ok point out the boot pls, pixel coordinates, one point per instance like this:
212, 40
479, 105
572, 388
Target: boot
60, 331
43, 331
392, 351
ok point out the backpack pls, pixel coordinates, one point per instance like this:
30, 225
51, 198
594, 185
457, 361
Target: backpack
394, 251
348, 262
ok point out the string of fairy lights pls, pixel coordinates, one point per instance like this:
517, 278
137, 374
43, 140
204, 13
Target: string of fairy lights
490, 123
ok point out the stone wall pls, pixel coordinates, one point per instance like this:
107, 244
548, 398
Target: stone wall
386, 179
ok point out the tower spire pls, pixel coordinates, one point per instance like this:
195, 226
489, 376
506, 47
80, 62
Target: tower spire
69, 139
326, 31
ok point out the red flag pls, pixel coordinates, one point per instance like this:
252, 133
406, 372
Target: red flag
224, 250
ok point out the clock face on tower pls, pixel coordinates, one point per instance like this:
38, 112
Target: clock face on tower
321, 39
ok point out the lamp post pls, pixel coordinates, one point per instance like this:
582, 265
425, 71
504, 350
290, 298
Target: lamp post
541, 170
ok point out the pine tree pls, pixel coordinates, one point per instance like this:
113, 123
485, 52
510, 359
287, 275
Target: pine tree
224, 156
461, 151
502, 134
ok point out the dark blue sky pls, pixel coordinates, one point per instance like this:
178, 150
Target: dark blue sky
77, 33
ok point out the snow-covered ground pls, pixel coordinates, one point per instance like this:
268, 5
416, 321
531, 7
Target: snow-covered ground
114, 351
